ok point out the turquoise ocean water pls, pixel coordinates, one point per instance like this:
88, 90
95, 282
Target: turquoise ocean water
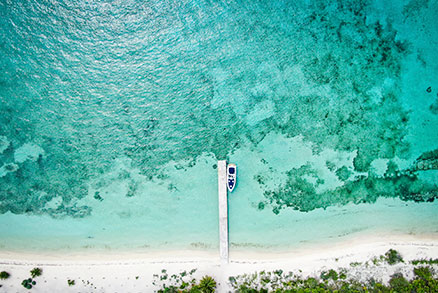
113, 115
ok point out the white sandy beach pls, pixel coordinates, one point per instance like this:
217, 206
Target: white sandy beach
111, 272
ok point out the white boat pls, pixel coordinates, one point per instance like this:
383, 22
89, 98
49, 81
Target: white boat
231, 176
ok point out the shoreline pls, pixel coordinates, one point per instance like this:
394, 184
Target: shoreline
134, 272
236, 254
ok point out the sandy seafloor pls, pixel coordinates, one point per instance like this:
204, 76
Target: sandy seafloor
74, 183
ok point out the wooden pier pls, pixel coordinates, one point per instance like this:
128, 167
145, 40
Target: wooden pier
223, 210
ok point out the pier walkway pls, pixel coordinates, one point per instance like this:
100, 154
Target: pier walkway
223, 210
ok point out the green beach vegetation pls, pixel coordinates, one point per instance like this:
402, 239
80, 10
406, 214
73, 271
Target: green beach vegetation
333, 281
414, 276
183, 282
429, 261
29, 283
392, 257
36, 272
206, 285
4, 275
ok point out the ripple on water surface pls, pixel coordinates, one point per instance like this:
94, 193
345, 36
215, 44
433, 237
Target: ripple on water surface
120, 110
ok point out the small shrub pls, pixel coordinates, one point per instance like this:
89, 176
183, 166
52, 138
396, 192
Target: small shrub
331, 274
422, 273
232, 280
379, 287
392, 257
424, 280
71, 282
343, 274
27, 283
310, 283
36, 272
399, 283
377, 261
4, 275
207, 285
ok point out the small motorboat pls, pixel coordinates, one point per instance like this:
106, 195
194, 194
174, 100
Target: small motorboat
231, 176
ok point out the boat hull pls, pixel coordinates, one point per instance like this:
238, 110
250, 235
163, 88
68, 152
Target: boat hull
231, 176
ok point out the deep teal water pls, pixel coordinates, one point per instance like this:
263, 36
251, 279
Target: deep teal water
113, 113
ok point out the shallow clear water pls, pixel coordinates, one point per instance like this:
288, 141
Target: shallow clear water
114, 113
